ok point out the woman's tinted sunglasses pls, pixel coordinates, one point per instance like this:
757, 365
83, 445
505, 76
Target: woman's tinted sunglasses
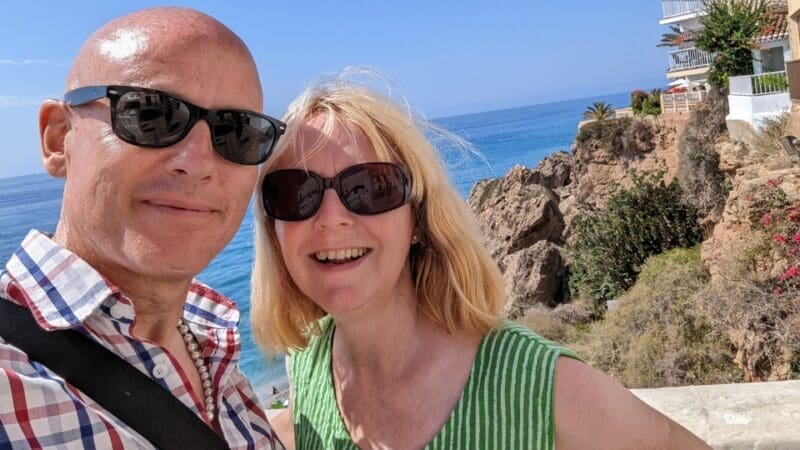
156, 119
365, 189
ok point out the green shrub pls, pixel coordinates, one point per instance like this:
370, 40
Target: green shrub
778, 221
761, 321
770, 82
656, 337
608, 132
652, 104
609, 246
637, 99
729, 31
644, 103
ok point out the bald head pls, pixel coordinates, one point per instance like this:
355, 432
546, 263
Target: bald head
128, 49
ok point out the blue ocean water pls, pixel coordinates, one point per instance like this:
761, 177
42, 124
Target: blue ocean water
504, 138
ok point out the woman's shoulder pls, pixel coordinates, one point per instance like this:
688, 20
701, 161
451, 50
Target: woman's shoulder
512, 338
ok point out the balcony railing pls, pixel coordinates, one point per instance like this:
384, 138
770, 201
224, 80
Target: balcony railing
689, 58
681, 101
678, 7
760, 84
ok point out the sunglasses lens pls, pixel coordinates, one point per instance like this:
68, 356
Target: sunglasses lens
291, 194
242, 137
372, 188
366, 189
151, 119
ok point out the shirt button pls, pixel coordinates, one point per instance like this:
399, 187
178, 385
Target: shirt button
160, 371
118, 311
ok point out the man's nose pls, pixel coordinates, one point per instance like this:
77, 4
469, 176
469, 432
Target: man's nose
194, 155
332, 213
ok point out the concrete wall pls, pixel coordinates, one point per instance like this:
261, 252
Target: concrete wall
794, 42
734, 416
794, 30
747, 113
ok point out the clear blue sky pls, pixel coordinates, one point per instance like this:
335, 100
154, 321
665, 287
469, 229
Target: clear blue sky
446, 57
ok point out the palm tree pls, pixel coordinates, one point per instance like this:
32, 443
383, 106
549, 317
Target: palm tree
676, 37
599, 111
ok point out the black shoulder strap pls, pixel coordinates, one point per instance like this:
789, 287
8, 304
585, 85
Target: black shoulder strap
130, 395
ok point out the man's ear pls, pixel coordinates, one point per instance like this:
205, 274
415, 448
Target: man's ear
54, 123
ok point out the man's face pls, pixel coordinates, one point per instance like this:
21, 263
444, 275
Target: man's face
162, 213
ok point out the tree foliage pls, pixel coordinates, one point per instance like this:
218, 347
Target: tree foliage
611, 245
599, 111
730, 29
644, 103
676, 37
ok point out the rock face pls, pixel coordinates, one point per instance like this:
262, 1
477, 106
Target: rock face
605, 159
533, 277
522, 226
748, 178
755, 343
527, 216
516, 211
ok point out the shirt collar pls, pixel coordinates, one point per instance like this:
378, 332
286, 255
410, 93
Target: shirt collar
62, 290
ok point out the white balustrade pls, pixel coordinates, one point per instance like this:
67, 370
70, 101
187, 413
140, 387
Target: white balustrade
759, 84
681, 101
678, 7
689, 58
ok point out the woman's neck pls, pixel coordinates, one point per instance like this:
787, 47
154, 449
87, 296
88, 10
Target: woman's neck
386, 340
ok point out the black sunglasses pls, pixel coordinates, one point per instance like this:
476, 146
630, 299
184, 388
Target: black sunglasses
365, 189
156, 119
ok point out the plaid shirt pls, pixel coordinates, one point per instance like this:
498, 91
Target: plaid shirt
39, 409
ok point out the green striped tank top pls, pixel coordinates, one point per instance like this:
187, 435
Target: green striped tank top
507, 402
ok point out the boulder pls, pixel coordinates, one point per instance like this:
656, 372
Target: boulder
532, 277
514, 212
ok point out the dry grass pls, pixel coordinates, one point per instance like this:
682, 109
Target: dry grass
558, 324
763, 326
698, 161
656, 337
766, 142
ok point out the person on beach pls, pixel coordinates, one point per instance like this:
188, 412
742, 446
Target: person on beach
158, 137
369, 273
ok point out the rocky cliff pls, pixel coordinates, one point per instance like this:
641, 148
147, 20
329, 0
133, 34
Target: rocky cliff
526, 217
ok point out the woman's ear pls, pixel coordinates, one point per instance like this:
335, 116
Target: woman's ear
54, 123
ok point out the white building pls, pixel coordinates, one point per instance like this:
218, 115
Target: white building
752, 98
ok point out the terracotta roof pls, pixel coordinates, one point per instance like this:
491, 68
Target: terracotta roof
775, 28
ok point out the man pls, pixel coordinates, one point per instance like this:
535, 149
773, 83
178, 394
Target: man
154, 188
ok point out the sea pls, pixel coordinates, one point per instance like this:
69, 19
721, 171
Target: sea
500, 140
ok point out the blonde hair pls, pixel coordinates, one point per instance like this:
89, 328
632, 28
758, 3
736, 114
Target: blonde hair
457, 283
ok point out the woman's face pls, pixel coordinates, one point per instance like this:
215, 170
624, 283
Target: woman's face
348, 264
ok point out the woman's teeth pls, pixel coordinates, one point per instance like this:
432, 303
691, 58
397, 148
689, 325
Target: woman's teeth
338, 256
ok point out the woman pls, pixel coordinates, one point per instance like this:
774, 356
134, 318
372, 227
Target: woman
368, 271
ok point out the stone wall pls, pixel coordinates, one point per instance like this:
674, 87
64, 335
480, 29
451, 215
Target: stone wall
734, 416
